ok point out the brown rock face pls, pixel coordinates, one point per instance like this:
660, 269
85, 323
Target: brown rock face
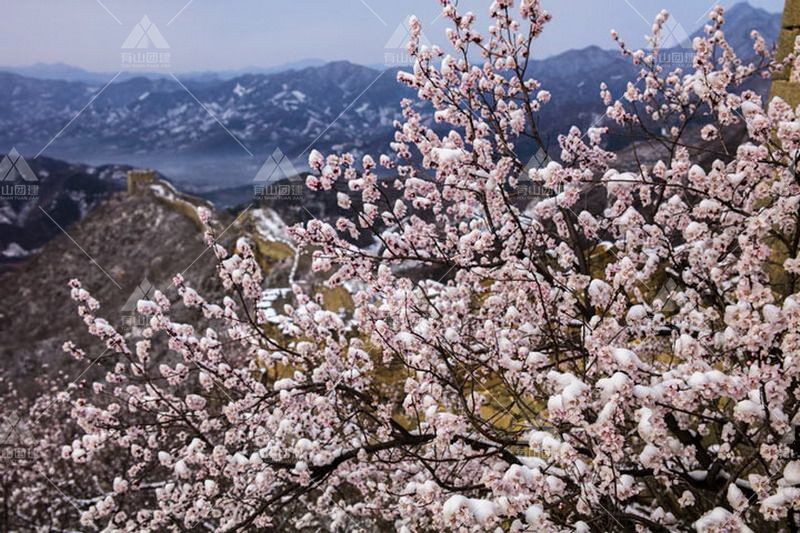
786, 84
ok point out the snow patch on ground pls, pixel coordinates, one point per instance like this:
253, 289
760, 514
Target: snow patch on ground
240, 90
14, 250
270, 226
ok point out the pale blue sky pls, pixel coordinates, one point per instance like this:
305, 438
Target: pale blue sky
232, 34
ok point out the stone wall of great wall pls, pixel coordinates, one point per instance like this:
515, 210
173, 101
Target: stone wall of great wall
787, 84
146, 183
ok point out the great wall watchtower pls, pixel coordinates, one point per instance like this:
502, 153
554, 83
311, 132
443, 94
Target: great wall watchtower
139, 181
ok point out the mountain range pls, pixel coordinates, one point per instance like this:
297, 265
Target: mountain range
210, 135
213, 131
65, 72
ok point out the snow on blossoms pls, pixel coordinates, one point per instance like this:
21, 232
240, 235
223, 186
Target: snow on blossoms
625, 363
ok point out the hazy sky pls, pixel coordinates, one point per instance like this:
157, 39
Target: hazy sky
232, 34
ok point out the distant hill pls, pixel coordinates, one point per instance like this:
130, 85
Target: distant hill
58, 71
65, 72
120, 243
67, 192
120, 249
143, 115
